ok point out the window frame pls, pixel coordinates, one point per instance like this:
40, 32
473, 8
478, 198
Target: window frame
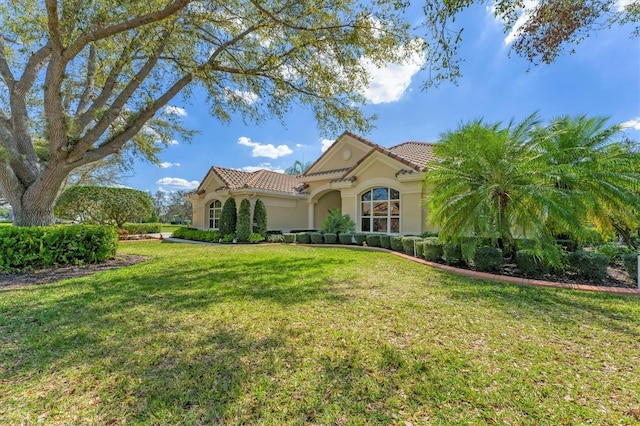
212, 214
380, 210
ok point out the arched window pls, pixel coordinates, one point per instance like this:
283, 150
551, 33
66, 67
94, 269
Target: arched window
380, 210
215, 210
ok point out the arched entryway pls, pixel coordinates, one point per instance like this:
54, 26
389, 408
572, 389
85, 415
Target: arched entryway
327, 201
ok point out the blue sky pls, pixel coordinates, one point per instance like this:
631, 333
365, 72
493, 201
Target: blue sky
601, 78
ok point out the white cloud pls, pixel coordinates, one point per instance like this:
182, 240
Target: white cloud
326, 143
239, 95
634, 124
174, 110
177, 183
388, 83
166, 165
621, 5
265, 150
301, 145
262, 166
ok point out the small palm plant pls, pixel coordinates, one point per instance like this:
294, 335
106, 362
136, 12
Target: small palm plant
337, 223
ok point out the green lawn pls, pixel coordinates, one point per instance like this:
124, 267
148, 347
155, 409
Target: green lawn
167, 227
268, 334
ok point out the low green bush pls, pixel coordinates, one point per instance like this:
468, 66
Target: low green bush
420, 249
303, 237
142, 228
254, 238
588, 264
275, 238
452, 254
360, 237
330, 237
289, 238
396, 243
346, 238
46, 246
228, 238
433, 249
429, 234
373, 240
197, 235
385, 241
614, 252
409, 245
530, 264
316, 238
630, 263
488, 259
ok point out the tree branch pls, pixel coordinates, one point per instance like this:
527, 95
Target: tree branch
116, 107
53, 24
5, 70
35, 63
90, 82
80, 43
115, 143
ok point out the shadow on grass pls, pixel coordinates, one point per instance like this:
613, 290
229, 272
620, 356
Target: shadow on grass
561, 306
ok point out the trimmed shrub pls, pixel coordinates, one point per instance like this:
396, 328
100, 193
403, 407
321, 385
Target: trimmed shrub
360, 237
46, 246
433, 249
330, 238
488, 259
373, 240
530, 264
385, 241
346, 238
420, 249
303, 237
197, 235
613, 251
316, 238
588, 264
229, 238
409, 245
289, 237
228, 217
396, 243
452, 254
429, 234
630, 262
243, 229
260, 218
142, 228
254, 237
275, 238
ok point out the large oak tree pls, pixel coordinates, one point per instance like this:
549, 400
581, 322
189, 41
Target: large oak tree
79, 79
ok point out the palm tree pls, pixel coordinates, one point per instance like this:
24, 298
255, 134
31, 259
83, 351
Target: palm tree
298, 168
600, 176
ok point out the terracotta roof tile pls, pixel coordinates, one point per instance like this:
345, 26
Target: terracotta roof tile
418, 153
261, 179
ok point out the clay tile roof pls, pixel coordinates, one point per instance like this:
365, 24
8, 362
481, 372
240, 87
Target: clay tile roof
328, 172
418, 153
261, 179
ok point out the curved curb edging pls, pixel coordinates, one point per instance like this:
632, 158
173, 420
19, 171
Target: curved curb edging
474, 274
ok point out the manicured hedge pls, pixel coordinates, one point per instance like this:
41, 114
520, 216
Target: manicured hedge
409, 245
373, 240
303, 237
289, 237
433, 249
420, 249
530, 264
385, 241
452, 254
488, 259
197, 235
346, 238
396, 243
330, 238
46, 246
360, 237
316, 238
142, 228
588, 264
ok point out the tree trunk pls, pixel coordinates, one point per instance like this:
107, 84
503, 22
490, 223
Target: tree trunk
33, 214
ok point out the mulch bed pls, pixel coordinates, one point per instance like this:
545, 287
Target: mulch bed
49, 275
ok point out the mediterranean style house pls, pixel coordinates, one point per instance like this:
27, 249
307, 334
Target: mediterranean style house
380, 188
